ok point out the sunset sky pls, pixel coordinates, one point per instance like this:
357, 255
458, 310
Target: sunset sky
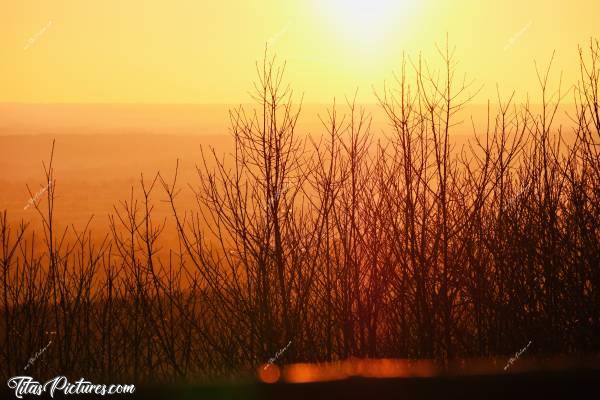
184, 51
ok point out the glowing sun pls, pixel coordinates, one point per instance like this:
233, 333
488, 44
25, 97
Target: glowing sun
365, 21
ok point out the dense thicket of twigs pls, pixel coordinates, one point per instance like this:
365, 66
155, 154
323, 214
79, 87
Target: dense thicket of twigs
346, 246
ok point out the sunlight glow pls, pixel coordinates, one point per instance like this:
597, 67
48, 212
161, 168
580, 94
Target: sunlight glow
366, 22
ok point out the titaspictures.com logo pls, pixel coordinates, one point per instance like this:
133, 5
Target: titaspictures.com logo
24, 385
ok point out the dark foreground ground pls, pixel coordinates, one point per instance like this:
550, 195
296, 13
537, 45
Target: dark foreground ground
571, 384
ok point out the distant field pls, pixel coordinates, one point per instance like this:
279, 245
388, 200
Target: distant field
101, 150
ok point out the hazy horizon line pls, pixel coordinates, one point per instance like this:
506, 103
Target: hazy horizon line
339, 103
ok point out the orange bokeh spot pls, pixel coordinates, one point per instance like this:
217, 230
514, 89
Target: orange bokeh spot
269, 373
369, 368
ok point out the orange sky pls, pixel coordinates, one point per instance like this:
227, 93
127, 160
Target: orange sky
184, 51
